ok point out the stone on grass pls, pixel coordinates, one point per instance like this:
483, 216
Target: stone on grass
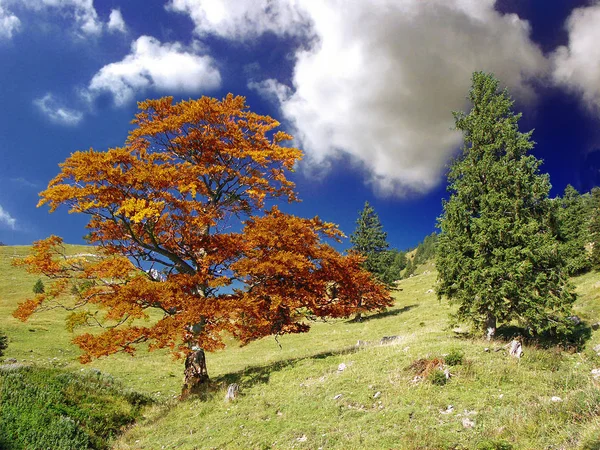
575, 320
232, 392
448, 410
302, 438
468, 423
377, 394
596, 374
516, 349
556, 399
337, 397
597, 349
341, 367
389, 339
595, 326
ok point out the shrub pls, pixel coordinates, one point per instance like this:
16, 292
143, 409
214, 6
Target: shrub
437, 377
50, 408
454, 358
3, 343
38, 287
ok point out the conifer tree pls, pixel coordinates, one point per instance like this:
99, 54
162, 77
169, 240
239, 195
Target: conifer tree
38, 287
573, 231
497, 254
370, 240
594, 227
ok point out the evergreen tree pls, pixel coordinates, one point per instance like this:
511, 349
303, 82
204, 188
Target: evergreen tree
573, 231
594, 227
3, 343
38, 287
370, 240
497, 254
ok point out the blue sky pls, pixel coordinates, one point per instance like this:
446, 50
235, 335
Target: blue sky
366, 87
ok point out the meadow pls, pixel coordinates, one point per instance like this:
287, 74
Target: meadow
321, 390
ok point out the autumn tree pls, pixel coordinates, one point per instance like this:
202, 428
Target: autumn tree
498, 255
181, 221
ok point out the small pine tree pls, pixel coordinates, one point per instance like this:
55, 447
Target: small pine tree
370, 240
497, 254
3, 343
38, 287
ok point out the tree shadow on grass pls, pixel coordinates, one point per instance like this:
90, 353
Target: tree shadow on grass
384, 314
260, 374
573, 341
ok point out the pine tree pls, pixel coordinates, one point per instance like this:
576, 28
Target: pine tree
3, 343
38, 287
573, 231
370, 240
594, 227
497, 254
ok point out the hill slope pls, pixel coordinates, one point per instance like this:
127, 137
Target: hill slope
296, 396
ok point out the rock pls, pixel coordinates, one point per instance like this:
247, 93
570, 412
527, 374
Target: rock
596, 374
341, 367
597, 349
595, 326
389, 339
516, 349
487, 349
232, 392
337, 397
556, 399
377, 394
429, 291
468, 423
448, 410
302, 438
575, 319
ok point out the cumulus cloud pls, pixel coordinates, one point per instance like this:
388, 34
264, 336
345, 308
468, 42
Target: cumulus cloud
7, 220
244, 18
378, 80
116, 22
56, 112
9, 23
82, 12
576, 66
151, 64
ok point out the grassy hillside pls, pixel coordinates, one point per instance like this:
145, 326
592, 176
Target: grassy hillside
296, 396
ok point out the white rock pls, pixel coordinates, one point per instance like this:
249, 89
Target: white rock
468, 423
556, 399
337, 397
342, 367
448, 410
596, 373
302, 438
377, 394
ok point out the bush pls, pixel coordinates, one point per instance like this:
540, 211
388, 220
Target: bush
38, 287
437, 377
50, 408
454, 358
3, 343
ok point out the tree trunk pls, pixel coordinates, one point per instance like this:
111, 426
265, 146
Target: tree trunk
195, 374
490, 325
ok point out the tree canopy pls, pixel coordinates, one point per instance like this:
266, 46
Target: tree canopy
498, 256
183, 220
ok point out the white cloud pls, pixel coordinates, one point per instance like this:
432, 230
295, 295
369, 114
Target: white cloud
116, 22
243, 18
577, 65
9, 23
378, 80
82, 12
7, 220
165, 67
57, 113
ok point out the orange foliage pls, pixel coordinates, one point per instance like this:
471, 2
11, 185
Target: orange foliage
180, 220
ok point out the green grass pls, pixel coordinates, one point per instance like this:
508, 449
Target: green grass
288, 395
